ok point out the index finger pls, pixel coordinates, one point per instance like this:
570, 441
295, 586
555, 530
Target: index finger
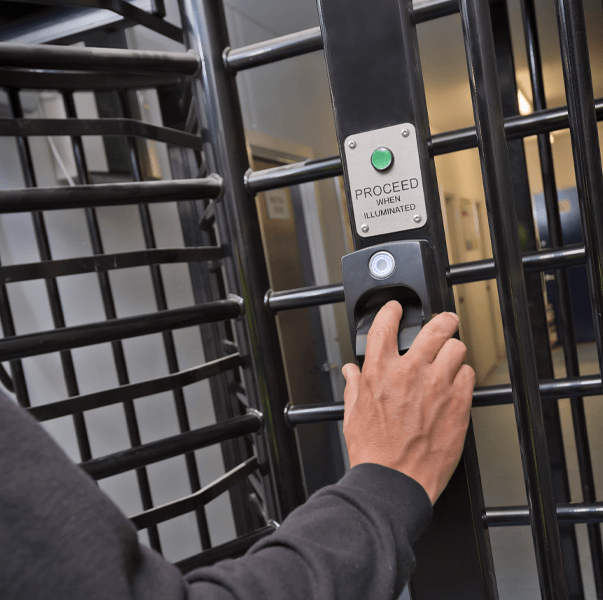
433, 336
382, 339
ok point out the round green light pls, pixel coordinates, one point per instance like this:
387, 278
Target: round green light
382, 159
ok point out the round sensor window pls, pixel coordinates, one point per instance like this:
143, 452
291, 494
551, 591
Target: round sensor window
382, 265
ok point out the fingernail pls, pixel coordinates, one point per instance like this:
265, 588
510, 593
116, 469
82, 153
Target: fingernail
343, 372
455, 316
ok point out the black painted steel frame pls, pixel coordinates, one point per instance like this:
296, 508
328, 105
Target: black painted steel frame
216, 103
244, 455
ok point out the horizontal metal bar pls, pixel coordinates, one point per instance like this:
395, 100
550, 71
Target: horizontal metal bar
146, 454
484, 396
566, 513
303, 297
106, 262
293, 174
542, 121
263, 53
126, 10
480, 270
190, 503
549, 389
71, 58
313, 413
443, 143
81, 127
108, 194
232, 549
85, 80
310, 40
67, 338
569, 256
131, 391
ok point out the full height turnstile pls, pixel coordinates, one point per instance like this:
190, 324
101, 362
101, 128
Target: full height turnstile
386, 150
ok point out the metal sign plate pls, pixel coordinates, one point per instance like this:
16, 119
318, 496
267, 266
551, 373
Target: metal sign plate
385, 180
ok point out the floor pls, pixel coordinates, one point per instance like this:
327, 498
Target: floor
500, 464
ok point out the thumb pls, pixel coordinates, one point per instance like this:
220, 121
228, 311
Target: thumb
351, 374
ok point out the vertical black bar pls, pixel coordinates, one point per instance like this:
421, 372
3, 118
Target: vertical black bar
204, 28
585, 147
534, 288
208, 284
52, 288
565, 324
110, 313
376, 81
168, 337
496, 173
16, 366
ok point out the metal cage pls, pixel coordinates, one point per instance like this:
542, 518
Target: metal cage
214, 189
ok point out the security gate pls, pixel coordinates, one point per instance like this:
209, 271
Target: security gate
381, 119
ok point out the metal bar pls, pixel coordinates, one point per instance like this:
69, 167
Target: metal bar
263, 53
293, 174
117, 329
217, 102
79, 127
52, 290
376, 85
585, 148
565, 324
146, 454
168, 338
232, 549
303, 297
543, 121
106, 262
85, 80
108, 194
496, 175
16, 366
132, 391
6, 379
42, 56
111, 314
207, 284
310, 40
587, 512
534, 283
197, 500
478, 270
126, 10
549, 390
494, 395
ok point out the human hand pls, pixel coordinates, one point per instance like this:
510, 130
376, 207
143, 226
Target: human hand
411, 412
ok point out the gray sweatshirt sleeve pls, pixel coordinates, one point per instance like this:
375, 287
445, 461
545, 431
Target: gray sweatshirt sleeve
62, 538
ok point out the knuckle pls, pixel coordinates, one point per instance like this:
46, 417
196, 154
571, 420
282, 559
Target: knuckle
380, 331
457, 346
444, 323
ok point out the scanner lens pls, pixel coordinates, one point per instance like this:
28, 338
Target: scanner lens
382, 265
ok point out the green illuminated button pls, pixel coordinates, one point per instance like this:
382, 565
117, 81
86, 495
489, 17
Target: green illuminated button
382, 159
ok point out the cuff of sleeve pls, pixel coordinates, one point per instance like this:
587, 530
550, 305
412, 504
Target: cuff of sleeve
399, 495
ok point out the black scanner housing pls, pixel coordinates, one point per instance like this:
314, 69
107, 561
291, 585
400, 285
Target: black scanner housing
410, 284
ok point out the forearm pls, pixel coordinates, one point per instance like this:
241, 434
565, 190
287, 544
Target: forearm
352, 540
63, 538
